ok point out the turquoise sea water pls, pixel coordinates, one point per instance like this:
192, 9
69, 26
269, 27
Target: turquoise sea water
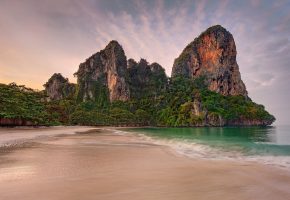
270, 145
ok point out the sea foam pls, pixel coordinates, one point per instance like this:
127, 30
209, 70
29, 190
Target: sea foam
195, 150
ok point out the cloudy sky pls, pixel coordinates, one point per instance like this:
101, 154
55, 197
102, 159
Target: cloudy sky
40, 37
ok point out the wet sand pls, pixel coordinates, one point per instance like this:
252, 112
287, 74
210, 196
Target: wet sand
103, 165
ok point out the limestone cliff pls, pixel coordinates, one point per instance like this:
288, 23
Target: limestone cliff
58, 87
212, 55
182, 100
145, 79
103, 74
215, 119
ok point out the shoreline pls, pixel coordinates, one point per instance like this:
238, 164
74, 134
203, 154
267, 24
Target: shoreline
101, 164
196, 150
130, 126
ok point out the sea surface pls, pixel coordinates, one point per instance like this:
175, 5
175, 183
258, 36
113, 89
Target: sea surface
267, 145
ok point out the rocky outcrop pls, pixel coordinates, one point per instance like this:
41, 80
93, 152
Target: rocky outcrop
213, 119
197, 107
145, 79
107, 76
249, 122
104, 74
204, 118
58, 87
212, 55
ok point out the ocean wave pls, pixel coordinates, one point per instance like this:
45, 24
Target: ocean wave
193, 149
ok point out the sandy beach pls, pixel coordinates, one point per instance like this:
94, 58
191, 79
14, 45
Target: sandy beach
100, 164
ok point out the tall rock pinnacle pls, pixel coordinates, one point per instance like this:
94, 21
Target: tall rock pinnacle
104, 74
213, 55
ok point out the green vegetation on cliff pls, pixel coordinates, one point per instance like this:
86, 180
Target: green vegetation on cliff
21, 103
184, 102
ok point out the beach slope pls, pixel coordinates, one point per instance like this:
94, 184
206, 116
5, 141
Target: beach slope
102, 164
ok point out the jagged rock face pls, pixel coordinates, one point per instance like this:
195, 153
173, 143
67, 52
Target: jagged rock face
132, 63
105, 70
249, 122
207, 119
214, 119
212, 55
145, 79
58, 87
197, 107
